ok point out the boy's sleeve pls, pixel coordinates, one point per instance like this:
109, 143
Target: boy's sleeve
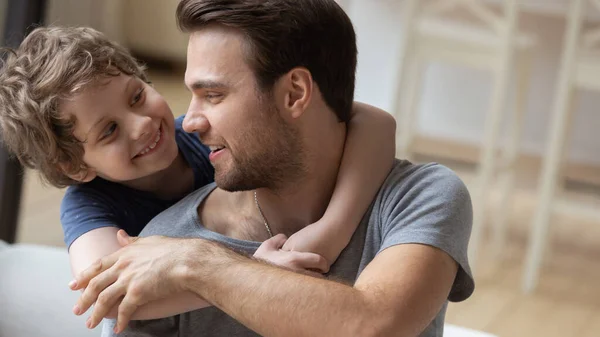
83, 210
431, 206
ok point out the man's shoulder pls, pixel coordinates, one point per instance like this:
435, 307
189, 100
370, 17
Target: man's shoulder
413, 188
430, 205
193, 199
169, 221
406, 176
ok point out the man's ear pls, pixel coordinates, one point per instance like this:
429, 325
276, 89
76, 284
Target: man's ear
84, 175
298, 86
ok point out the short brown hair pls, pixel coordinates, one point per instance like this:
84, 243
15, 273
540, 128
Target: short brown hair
53, 64
283, 34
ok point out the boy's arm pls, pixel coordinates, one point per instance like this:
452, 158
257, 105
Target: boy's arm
91, 246
368, 158
97, 243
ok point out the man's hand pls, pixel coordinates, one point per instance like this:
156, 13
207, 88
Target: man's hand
144, 270
271, 251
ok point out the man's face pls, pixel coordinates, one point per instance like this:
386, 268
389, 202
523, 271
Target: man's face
252, 146
127, 128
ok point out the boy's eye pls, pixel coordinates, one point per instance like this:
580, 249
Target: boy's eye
109, 131
138, 96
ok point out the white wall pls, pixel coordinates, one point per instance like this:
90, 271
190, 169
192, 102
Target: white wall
455, 100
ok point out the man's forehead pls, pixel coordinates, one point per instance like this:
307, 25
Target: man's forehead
215, 55
215, 44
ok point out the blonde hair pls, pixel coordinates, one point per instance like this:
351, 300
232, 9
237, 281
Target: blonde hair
51, 65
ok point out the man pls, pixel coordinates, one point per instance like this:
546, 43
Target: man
272, 85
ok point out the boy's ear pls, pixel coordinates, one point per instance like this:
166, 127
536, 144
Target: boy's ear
84, 175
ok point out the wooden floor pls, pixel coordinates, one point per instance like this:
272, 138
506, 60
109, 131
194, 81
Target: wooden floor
567, 302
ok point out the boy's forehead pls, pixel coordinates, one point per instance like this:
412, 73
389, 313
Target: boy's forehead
96, 99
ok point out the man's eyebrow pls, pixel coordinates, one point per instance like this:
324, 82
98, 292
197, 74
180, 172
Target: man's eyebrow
207, 84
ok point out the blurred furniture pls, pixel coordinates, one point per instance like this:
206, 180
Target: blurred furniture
150, 29
550, 8
490, 43
456, 331
579, 69
36, 300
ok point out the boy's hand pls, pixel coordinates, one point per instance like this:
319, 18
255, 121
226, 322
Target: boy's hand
312, 239
271, 251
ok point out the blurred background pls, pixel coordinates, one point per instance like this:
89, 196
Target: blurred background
503, 92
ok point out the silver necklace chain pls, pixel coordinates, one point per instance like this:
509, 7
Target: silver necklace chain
262, 215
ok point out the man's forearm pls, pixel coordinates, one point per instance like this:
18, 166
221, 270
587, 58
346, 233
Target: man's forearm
277, 302
178, 304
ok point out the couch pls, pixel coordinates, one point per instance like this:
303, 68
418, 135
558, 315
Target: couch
35, 300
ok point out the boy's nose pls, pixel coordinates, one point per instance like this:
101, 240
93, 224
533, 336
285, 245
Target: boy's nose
142, 128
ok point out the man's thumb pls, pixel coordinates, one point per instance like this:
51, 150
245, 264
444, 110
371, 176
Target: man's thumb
123, 238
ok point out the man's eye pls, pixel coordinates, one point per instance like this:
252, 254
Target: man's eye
213, 96
109, 131
138, 96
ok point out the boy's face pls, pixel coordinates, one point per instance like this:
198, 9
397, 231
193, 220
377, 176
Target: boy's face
127, 128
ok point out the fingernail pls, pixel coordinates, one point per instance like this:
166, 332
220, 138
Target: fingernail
73, 284
76, 310
89, 323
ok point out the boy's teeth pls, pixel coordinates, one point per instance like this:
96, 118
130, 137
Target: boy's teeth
146, 150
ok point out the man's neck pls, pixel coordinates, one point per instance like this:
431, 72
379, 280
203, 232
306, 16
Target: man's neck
292, 207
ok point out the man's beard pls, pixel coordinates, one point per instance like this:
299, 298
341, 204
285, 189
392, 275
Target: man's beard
272, 156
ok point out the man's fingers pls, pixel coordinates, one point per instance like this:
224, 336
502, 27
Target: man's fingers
92, 271
93, 289
126, 309
106, 301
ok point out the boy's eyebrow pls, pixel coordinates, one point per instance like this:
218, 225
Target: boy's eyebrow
133, 79
99, 121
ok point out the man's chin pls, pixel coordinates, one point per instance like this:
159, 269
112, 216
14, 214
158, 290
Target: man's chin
233, 184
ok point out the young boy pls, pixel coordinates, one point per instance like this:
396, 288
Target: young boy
78, 108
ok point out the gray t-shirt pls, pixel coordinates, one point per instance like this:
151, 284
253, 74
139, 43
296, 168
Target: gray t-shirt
424, 204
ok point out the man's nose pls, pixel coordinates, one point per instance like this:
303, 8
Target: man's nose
195, 121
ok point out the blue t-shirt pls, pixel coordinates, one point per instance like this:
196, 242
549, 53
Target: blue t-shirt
101, 203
